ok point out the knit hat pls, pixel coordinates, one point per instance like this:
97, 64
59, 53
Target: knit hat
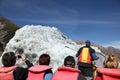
69, 60
87, 41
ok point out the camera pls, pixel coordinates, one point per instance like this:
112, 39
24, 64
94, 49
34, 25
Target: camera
19, 52
19, 56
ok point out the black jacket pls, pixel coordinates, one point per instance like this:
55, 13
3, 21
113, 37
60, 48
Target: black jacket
81, 77
22, 73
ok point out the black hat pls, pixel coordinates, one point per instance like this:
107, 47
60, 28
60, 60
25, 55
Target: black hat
69, 60
87, 41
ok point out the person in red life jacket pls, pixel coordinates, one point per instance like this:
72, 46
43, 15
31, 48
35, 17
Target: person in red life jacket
10, 71
68, 71
42, 71
110, 70
86, 55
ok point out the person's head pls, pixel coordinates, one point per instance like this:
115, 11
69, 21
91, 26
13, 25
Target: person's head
8, 59
69, 61
88, 43
111, 61
44, 59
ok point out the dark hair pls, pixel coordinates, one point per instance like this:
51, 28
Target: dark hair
69, 61
8, 59
44, 59
88, 43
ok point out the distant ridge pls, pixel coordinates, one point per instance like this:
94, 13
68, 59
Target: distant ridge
7, 31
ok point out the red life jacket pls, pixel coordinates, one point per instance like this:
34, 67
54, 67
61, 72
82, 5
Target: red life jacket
6, 73
108, 74
37, 72
66, 73
85, 56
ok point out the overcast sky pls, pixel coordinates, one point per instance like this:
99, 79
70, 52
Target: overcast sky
94, 20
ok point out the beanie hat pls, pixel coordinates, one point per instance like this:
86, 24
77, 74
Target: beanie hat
69, 60
87, 41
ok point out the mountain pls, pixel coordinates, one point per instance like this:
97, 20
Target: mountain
35, 40
7, 31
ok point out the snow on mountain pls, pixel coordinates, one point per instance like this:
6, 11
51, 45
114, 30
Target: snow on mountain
36, 40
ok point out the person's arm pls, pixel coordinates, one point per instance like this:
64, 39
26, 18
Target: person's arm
29, 64
78, 53
94, 56
23, 56
48, 75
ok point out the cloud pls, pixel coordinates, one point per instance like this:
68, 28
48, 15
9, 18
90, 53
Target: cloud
51, 12
64, 21
115, 44
14, 3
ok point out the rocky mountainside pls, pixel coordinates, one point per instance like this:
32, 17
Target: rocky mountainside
7, 31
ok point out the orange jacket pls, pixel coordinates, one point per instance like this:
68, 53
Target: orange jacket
37, 72
66, 73
6, 73
108, 74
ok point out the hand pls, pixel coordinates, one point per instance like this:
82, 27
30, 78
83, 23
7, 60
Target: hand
23, 56
97, 58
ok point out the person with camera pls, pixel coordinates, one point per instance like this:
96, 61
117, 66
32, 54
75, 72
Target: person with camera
10, 71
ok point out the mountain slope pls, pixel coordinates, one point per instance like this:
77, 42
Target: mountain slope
36, 40
7, 31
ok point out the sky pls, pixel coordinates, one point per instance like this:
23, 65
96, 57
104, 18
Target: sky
94, 20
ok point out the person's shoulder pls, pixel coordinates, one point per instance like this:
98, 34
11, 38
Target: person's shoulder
20, 73
20, 70
83, 47
91, 48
